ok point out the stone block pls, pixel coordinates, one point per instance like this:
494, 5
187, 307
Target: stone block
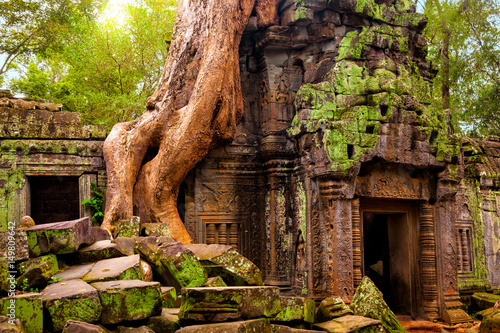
15, 244
229, 303
123, 268
330, 16
141, 329
9, 326
99, 234
247, 326
128, 300
128, 228
7, 275
73, 326
484, 301
71, 300
125, 245
100, 250
297, 16
73, 272
28, 309
155, 229
168, 296
36, 272
332, 307
59, 237
175, 264
351, 323
215, 281
368, 301
166, 322
224, 261
296, 309
288, 329
491, 324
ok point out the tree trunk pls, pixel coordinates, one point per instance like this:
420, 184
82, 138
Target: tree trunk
197, 103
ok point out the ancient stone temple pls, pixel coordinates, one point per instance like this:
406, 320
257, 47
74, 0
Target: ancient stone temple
341, 167
48, 161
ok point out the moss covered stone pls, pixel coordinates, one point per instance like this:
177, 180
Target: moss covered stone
229, 303
332, 307
36, 272
167, 322
73, 299
73, 272
100, 250
128, 300
168, 296
28, 309
128, 228
296, 309
485, 301
123, 268
256, 325
368, 301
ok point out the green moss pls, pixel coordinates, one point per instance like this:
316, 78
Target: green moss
87, 309
28, 309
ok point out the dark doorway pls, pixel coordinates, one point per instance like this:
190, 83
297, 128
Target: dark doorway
387, 258
54, 199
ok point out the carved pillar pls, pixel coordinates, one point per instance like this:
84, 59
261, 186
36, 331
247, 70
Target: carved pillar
336, 215
356, 243
428, 272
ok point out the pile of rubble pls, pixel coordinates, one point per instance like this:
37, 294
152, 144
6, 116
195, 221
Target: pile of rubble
74, 279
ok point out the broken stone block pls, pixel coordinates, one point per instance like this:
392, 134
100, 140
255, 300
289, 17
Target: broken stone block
286, 329
369, 302
215, 281
332, 307
224, 261
175, 264
99, 234
27, 308
128, 228
36, 271
26, 222
125, 245
155, 229
491, 324
229, 303
127, 300
59, 237
73, 326
484, 301
296, 309
255, 325
71, 300
100, 250
142, 329
350, 323
72, 272
123, 268
166, 322
14, 243
168, 296
8, 325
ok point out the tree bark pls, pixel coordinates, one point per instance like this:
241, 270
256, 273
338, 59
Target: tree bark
198, 102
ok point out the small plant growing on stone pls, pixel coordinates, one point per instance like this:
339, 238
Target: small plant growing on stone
96, 203
55, 279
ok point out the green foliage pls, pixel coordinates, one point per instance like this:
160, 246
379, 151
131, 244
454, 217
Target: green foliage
469, 31
108, 70
96, 203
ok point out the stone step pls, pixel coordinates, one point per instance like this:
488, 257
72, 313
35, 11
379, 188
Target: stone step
349, 323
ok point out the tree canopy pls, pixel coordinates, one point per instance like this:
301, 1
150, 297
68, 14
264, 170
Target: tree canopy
108, 68
464, 45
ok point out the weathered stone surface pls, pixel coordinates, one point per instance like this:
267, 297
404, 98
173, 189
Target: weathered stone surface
128, 228
176, 265
155, 229
73, 272
100, 250
247, 326
59, 237
224, 261
229, 303
369, 302
74, 326
123, 268
146, 271
491, 324
14, 243
166, 322
141, 329
485, 300
125, 245
99, 234
128, 300
350, 323
7, 279
37, 271
168, 296
28, 309
286, 329
72, 299
26, 222
296, 309
7, 326
331, 308
215, 281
